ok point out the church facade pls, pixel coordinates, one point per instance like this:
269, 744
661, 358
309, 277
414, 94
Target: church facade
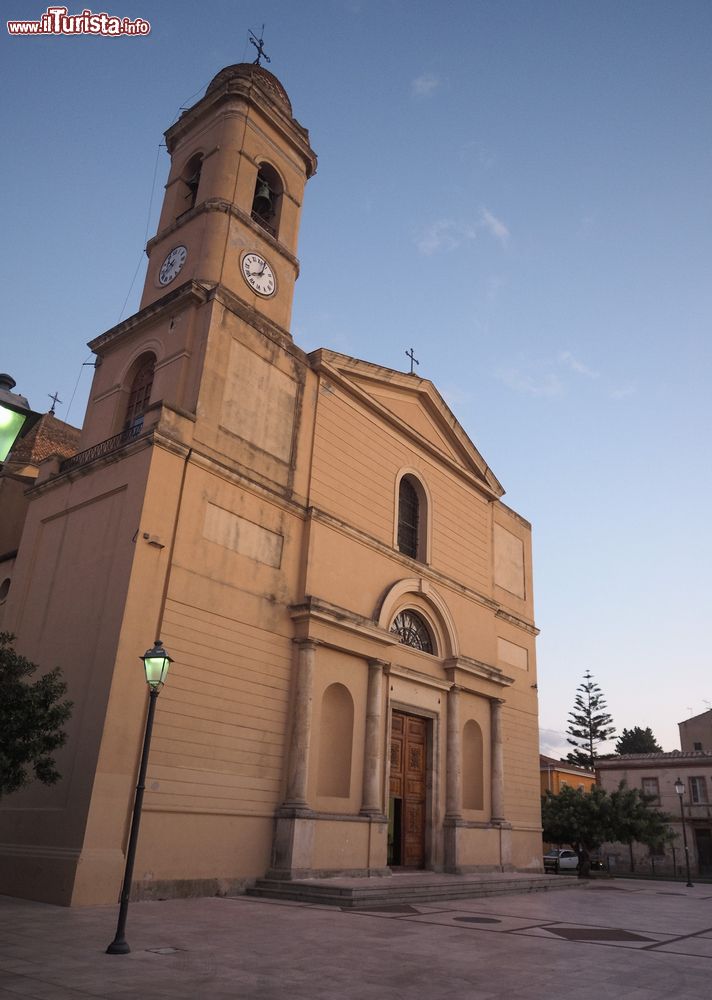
321, 548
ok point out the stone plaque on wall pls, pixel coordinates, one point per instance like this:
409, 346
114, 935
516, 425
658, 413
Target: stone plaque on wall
242, 536
258, 402
512, 654
508, 561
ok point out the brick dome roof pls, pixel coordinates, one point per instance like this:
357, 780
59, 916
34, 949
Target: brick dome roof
258, 74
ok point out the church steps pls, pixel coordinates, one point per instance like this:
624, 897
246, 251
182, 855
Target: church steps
387, 891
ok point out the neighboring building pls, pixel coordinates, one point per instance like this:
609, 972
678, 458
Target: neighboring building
556, 774
696, 732
656, 774
322, 549
48, 438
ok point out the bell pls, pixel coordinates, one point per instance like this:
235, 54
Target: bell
262, 204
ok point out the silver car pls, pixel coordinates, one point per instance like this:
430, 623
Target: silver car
559, 861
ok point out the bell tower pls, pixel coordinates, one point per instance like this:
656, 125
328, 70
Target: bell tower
239, 164
221, 269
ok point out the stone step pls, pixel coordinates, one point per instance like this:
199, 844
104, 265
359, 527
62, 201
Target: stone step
385, 891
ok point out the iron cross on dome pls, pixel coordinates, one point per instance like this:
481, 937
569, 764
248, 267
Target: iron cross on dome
259, 45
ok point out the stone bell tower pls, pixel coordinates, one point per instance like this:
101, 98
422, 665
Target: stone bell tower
226, 244
239, 165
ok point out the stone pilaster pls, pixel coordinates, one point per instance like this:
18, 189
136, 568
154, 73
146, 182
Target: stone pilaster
300, 740
293, 844
453, 782
497, 779
372, 800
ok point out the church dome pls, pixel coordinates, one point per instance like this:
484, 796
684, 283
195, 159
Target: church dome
254, 74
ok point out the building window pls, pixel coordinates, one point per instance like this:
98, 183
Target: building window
698, 790
140, 393
697, 746
412, 631
411, 537
651, 787
267, 199
191, 181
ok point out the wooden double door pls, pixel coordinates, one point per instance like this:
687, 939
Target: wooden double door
407, 798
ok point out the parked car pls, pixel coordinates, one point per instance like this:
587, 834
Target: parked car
561, 860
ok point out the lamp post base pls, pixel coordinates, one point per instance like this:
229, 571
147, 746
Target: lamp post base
118, 947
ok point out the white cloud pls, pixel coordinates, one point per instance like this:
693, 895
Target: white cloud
425, 85
443, 235
623, 391
455, 395
495, 226
552, 743
545, 385
566, 358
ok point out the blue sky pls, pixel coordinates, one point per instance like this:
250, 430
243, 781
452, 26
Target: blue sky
519, 190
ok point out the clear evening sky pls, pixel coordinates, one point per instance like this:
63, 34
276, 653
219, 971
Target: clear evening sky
520, 190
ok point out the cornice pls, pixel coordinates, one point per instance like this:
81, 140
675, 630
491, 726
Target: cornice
414, 567
220, 205
189, 291
477, 668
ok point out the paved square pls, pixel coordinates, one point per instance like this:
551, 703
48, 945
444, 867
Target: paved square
622, 939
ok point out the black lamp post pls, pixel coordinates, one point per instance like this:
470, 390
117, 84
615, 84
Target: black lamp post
680, 789
16, 417
156, 662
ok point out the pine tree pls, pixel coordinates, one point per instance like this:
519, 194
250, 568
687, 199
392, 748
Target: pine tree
637, 740
589, 723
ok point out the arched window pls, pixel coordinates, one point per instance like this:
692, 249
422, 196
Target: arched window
412, 631
140, 393
190, 181
336, 740
412, 518
267, 199
472, 766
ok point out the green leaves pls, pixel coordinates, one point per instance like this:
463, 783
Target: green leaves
585, 820
637, 740
31, 718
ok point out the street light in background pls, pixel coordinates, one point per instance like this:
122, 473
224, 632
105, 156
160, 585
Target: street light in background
16, 417
680, 789
156, 662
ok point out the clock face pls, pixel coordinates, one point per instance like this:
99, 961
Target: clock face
258, 274
171, 266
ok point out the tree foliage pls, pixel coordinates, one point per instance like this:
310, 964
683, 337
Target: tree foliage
589, 723
32, 715
637, 740
585, 820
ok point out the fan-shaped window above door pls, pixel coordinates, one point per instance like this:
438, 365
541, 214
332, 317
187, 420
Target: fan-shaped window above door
412, 630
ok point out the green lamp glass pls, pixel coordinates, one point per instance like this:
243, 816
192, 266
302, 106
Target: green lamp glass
156, 662
16, 417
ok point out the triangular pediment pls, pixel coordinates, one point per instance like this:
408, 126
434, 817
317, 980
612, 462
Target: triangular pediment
414, 405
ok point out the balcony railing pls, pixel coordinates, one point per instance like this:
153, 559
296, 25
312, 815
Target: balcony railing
101, 449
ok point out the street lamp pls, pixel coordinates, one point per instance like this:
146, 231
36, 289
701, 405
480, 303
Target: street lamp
156, 662
16, 417
680, 789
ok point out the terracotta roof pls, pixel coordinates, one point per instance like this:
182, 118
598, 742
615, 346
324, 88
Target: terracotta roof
48, 437
631, 758
545, 761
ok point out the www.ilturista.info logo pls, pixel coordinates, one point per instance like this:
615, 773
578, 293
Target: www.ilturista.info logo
58, 21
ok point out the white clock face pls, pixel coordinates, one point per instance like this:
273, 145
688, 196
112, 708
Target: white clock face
258, 274
171, 266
